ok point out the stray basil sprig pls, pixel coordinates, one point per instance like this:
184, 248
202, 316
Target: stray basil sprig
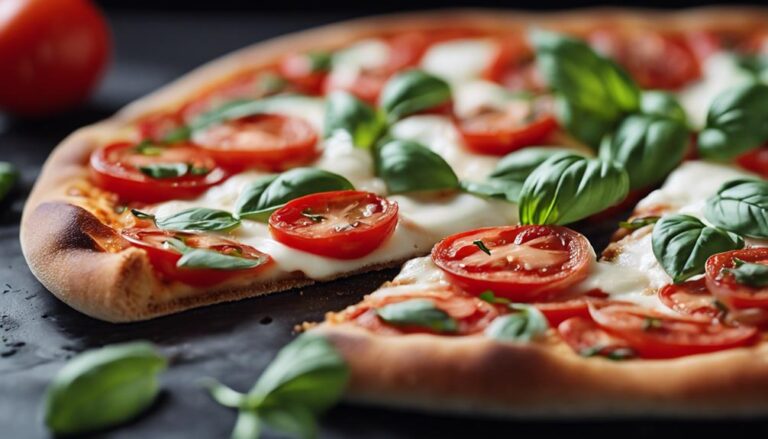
202, 258
344, 112
306, 378
740, 206
682, 244
420, 313
413, 91
103, 387
407, 166
262, 197
749, 273
568, 187
524, 325
736, 122
196, 218
8, 177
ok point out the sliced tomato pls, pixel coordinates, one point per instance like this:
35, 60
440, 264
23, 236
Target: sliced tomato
525, 264
724, 286
339, 224
523, 123
587, 339
691, 298
301, 69
654, 334
265, 141
558, 311
512, 51
157, 127
755, 160
164, 256
117, 168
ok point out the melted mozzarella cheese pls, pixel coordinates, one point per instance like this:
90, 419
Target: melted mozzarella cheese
309, 108
340, 156
459, 60
472, 97
347, 64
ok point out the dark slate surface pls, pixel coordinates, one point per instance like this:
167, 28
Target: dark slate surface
231, 342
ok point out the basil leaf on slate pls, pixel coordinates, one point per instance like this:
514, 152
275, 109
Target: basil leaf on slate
662, 104
413, 91
647, 147
407, 166
418, 312
749, 273
8, 177
682, 244
165, 170
248, 425
344, 112
103, 387
567, 188
200, 258
198, 218
523, 326
736, 122
740, 206
264, 196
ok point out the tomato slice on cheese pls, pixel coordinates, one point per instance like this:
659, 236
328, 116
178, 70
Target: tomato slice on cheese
522, 123
691, 298
654, 334
558, 311
164, 256
339, 224
302, 69
755, 160
724, 285
265, 141
152, 173
521, 263
587, 339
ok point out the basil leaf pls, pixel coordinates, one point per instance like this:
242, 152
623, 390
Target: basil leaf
103, 387
682, 244
243, 108
740, 206
418, 312
407, 166
567, 188
319, 61
518, 165
198, 218
413, 91
223, 394
8, 177
748, 273
293, 420
662, 104
149, 148
638, 223
165, 170
583, 125
248, 425
736, 122
523, 326
647, 147
494, 188
344, 112
200, 258
755, 64
264, 196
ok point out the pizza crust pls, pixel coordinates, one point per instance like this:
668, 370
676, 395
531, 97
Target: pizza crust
121, 286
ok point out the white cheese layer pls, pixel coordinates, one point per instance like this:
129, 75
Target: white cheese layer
460, 60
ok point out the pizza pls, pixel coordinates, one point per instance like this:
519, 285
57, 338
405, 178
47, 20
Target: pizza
467, 147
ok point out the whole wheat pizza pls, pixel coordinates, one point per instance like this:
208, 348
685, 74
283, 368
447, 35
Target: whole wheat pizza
461, 144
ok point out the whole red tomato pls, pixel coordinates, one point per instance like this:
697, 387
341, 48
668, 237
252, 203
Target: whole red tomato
51, 54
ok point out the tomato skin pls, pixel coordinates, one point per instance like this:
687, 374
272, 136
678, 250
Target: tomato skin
755, 160
290, 226
52, 54
164, 260
519, 284
691, 298
131, 185
724, 285
559, 311
297, 68
492, 134
587, 339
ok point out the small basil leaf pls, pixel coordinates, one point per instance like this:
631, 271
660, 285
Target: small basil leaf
198, 218
8, 177
638, 223
567, 188
754, 64
103, 387
647, 147
319, 61
490, 297
407, 166
248, 425
662, 104
149, 148
224, 395
418, 312
523, 326
413, 91
244, 108
736, 122
494, 188
200, 258
748, 273
294, 420
583, 125
264, 196
344, 112
165, 170
740, 206
518, 165
682, 244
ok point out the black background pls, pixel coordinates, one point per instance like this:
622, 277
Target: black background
156, 42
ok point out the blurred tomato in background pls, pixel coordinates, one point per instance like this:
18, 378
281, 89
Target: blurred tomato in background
52, 54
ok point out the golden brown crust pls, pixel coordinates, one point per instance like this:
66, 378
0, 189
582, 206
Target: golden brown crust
120, 285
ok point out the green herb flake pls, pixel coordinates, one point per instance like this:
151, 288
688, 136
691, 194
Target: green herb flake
165, 170
637, 223
481, 245
651, 323
748, 273
149, 148
420, 313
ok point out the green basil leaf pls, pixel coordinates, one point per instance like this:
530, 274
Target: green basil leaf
518, 165
243, 108
748, 273
418, 312
200, 258
165, 170
740, 206
413, 91
494, 188
662, 104
344, 112
638, 223
568, 187
407, 166
224, 395
319, 61
103, 387
149, 148
294, 420
736, 122
198, 218
523, 326
755, 64
585, 126
264, 196
8, 177
248, 425
682, 244
647, 147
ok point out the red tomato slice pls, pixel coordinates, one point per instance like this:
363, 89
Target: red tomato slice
559, 311
339, 224
298, 69
266, 141
691, 298
724, 286
525, 264
157, 127
587, 339
512, 52
164, 257
755, 160
116, 168
653, 334
523, 124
